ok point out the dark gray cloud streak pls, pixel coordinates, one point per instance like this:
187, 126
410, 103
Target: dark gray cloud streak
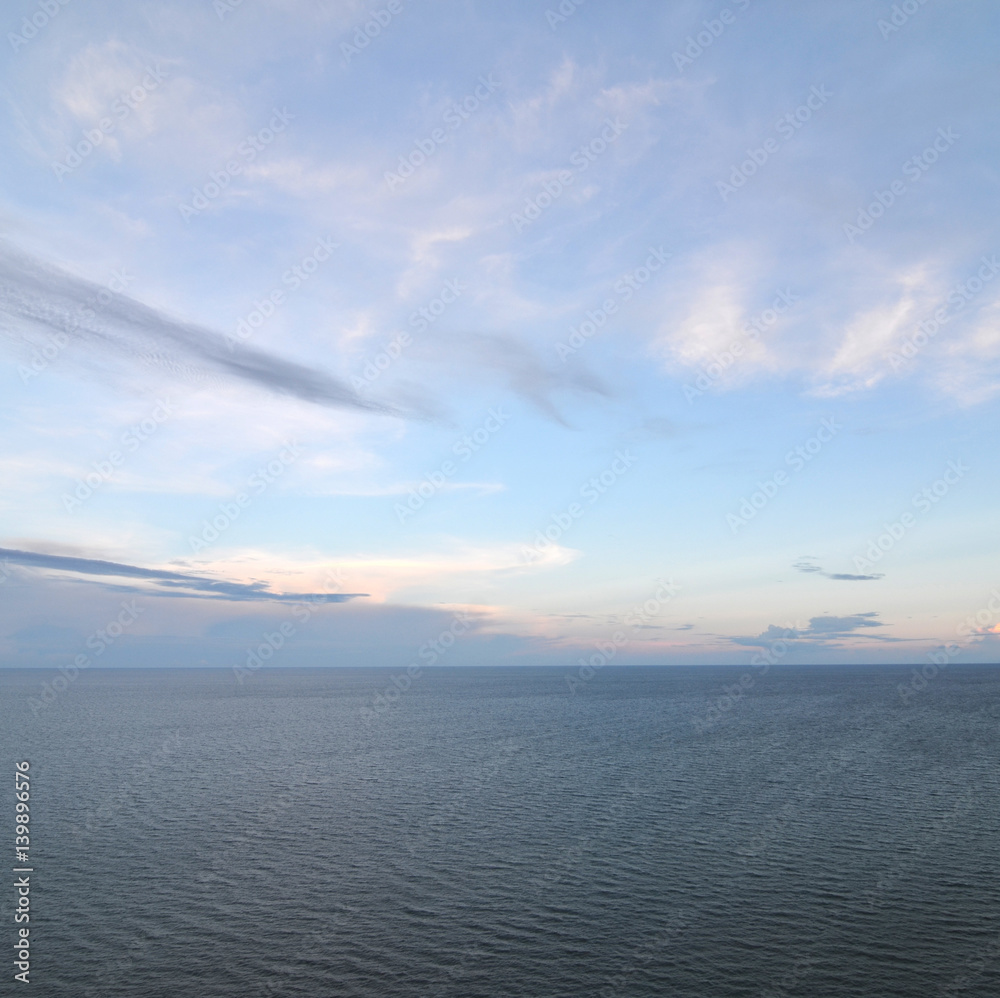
806, 565
35, 293
843, 625
174, 583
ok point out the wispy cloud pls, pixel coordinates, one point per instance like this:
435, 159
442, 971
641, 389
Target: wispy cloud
807, 565
36, 294
172, 583
517, 366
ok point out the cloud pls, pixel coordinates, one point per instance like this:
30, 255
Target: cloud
35, 294
859, 360
842, 625
171, 583
818, 630
847, 577
518, 367
807, 565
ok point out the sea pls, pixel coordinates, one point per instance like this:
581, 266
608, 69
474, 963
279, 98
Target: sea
492, 832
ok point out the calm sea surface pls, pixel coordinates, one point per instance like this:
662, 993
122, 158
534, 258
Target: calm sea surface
490, 833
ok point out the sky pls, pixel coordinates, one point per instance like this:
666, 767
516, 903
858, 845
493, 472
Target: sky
498, 333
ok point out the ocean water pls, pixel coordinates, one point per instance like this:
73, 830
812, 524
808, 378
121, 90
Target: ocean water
490, 833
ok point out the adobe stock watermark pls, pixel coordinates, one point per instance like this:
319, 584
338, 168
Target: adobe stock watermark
618, 811
97, 643
697, 44
580, 161
376, 366
606, 651
247, 150
982, 622
964, 293
651, 949
47, 10
377, 22
796, 459
132, 439
624, 289
801, 968
454, 117
787, 127
223, 8
922, 501
975, 965
789, 815
274, 641
721, 362
122, 107
421, 320
100, 819
562, 521
916, 853
229, 512
478, 777
44, 355
562, 13
898, 17
185, 372
429, 653
292, 279
426, 315
762, 660
463, 449
915, 168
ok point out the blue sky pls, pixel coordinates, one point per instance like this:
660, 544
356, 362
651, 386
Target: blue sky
517, 314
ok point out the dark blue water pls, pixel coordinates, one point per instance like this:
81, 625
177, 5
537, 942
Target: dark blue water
490, 833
